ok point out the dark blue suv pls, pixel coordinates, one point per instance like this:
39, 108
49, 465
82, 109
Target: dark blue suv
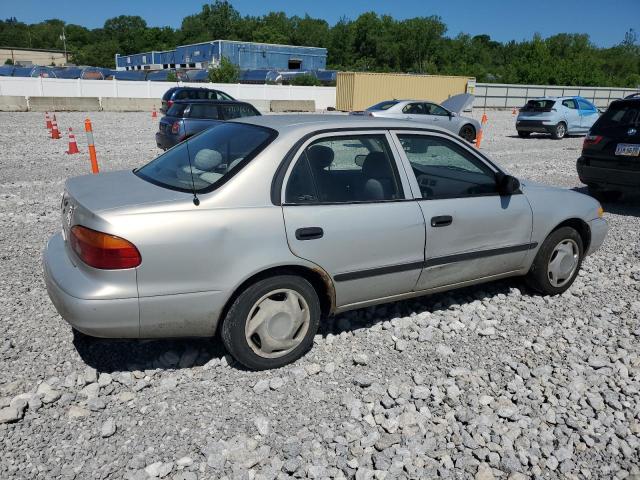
188, 117
191, 93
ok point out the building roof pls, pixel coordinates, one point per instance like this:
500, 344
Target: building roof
34, 49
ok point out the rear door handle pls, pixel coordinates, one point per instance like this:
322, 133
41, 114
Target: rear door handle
441, 221
309, 233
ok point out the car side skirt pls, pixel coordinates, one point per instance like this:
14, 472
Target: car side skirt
420, 293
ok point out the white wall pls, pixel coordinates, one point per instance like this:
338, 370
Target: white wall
60, 87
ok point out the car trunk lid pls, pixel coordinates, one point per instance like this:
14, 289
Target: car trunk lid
113, 190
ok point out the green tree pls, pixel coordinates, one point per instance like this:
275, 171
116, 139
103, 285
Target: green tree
305, 80
226, 72
8, 61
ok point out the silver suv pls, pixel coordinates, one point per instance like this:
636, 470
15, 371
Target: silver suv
557, 116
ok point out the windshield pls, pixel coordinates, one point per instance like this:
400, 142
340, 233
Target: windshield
386, 105
539, 105
621, 114
207, 160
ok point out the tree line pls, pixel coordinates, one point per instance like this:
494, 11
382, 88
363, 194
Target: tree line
371, 42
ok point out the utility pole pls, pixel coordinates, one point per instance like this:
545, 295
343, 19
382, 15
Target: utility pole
64, 42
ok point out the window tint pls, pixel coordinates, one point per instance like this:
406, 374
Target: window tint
621, 114
177, 110
203, 161
570, 103
223, 96
434, 109
203, 110
238, 110
414, 109
182, 95
584, 105
538, 106
446, 170
345, 169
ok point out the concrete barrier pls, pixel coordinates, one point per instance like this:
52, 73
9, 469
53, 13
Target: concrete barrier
117, 104
280, 106
64, 104
263, 106
13, 104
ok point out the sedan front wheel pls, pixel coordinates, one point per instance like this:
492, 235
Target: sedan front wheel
557, 263
272, 323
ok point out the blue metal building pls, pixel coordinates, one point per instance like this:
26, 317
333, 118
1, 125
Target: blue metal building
247, 55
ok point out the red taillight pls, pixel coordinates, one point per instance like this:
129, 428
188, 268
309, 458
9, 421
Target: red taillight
175, 128
169, 103
104, 251
592, 140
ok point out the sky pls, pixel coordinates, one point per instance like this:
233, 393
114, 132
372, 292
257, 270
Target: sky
504, 20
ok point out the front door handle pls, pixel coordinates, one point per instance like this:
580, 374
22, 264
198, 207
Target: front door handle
441, 221
309, 233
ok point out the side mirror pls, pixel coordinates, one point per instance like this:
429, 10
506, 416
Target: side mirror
453, 114
508, 185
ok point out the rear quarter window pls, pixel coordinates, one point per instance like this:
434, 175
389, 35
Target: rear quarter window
177, 110
239, 110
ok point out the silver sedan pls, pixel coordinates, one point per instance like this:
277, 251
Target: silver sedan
448, 115
260, 228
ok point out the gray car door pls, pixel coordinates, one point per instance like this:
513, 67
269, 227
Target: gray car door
471, 231
345, 209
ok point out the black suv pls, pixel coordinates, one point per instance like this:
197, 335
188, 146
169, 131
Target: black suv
610, 161
191, 93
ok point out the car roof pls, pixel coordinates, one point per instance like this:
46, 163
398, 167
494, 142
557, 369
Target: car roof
204, 100
197, 88
306, 123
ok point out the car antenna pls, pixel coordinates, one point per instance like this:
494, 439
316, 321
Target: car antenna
196, 201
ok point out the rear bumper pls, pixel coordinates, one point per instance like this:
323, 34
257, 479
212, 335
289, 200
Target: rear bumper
535, 126
613, 178
110, 318
165, 141
599, 229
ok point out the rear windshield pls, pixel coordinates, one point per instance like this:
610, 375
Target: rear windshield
386, 105
238, 110
621, 114
539, 106
177, 110
208, 159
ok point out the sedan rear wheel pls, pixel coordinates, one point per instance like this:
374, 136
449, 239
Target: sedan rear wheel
559, 131
272, 322
557, 263
468, 133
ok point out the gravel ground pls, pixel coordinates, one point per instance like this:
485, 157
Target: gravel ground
488, 382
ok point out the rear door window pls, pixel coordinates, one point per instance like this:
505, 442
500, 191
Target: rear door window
570, 103
345, 169
204, 110
414, 109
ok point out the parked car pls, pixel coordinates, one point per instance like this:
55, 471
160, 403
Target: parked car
191, 93
188, 117
261, 227
557, 116
610, 161
448, 115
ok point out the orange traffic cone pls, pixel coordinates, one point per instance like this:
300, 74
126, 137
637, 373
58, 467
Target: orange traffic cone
154, 114
485, 119
47, 119
73, 145
479, 139
55, 133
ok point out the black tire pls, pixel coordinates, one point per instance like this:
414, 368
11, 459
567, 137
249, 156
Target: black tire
523, 134
235, 321
538, 276
559, 131
468, 133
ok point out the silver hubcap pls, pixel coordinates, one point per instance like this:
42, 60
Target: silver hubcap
561, 130
563, 263
277, 323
